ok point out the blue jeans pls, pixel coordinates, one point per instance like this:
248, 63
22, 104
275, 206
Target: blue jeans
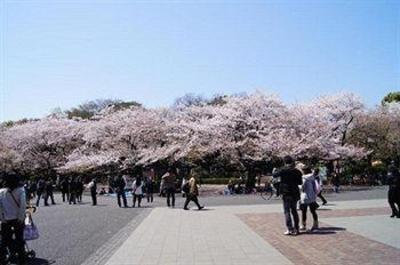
290, 209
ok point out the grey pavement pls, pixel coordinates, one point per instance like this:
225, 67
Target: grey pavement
218, 236
83, 234
69, 234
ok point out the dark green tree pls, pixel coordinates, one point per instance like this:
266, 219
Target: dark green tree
391, 97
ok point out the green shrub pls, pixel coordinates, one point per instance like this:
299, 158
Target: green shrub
215, 181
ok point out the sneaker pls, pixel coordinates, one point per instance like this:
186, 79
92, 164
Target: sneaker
295, 232
201, 207
303, 228
287, 233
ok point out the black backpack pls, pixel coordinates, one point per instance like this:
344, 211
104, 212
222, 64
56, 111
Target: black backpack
186, 187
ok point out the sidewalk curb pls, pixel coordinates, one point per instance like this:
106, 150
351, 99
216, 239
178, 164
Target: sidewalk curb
104, 253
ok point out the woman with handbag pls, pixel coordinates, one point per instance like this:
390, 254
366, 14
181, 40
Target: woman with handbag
12, 216
308, 198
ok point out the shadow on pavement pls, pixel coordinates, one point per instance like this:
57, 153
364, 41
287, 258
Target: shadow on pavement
38, 261
326, 230
205, 209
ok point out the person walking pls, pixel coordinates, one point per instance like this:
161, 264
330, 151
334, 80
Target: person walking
12, 216
319, 182
169, 185
191, 190
41, 189
393, 180
290, 179
120, 190
137, 191
93, 191
49, 192
308, 198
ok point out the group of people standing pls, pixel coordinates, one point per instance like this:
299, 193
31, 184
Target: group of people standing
143, 186
72, 189
43, 188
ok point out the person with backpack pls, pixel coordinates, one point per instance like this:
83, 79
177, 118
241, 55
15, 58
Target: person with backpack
308, 198
12, 217
191, 190
137, 191
169, 179
290, 179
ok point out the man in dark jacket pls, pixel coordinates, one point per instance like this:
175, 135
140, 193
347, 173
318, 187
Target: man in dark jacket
64, 189
49, 192
393, 180
41, 188
290, 178
119, 187
169, 179
73, 187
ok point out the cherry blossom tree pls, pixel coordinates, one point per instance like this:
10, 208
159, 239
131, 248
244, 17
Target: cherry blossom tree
240, 130
42, 145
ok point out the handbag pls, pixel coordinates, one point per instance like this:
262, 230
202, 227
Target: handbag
31, 231
317, 187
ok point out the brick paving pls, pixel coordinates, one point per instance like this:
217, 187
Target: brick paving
331, 245
352, 232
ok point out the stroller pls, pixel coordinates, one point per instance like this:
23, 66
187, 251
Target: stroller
30, 210
29, 253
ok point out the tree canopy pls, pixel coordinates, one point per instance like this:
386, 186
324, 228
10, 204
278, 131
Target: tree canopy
391, 97
226, 132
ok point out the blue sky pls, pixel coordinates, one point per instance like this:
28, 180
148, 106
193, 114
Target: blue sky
62, 53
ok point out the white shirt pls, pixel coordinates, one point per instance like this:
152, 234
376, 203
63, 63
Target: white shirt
137, 190
9, 210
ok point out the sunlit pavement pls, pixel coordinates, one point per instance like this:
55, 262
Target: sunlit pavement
352, 232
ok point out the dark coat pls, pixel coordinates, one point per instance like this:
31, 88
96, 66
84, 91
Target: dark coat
291, 178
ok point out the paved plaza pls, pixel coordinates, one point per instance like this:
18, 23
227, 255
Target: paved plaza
355, 229
352, 232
